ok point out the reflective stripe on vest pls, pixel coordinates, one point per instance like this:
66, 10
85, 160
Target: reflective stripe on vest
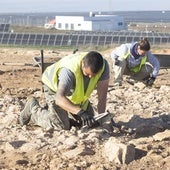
73, 63
139, 66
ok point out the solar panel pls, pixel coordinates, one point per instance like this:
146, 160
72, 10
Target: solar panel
39, 36
156, 34
66, 41
81, 39
4, 27
7, 28
133, 33
1, 27
157, 40
164, 40
88, 39
151, 39
5, 38
45, 39
115, 39
138, 34
129, 39
122, 39
12, 39
95, 40
38, 39
74, 40
52, 39
150, 34
102, 40
115, 33
23, 36
22, 39
136, 39
108, 39
144, 34
18, 39
1, 36
59, 40
31, 39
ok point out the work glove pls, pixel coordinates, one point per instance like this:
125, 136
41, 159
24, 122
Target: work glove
116, 61
86, 119
150, 81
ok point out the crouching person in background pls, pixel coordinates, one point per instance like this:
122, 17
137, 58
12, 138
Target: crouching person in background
135, 60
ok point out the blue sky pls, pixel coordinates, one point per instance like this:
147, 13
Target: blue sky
82, 5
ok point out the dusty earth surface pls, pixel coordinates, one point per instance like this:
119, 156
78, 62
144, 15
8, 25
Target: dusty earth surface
142, 113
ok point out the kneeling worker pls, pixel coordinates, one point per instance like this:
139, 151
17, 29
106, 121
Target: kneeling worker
68, 85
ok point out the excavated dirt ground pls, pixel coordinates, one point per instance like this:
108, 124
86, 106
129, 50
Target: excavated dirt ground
144, 109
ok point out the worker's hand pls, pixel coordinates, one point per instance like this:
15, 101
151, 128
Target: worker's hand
150, 81
86, 119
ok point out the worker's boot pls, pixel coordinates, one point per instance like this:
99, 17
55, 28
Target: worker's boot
131, 80
25, 115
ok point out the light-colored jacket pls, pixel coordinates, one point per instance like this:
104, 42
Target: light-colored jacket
123, 49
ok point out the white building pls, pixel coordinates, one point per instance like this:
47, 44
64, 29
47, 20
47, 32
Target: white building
91, 23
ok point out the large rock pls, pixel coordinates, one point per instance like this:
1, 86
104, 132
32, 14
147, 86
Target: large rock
119, 152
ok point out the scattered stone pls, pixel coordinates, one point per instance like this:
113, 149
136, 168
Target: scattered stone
81, 151
162, 136
22, 162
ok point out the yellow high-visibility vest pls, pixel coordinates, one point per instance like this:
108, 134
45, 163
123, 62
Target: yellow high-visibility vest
73, 63
139, 66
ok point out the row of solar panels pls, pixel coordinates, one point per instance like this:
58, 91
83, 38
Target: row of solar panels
4, 27
122, 33
72, 40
